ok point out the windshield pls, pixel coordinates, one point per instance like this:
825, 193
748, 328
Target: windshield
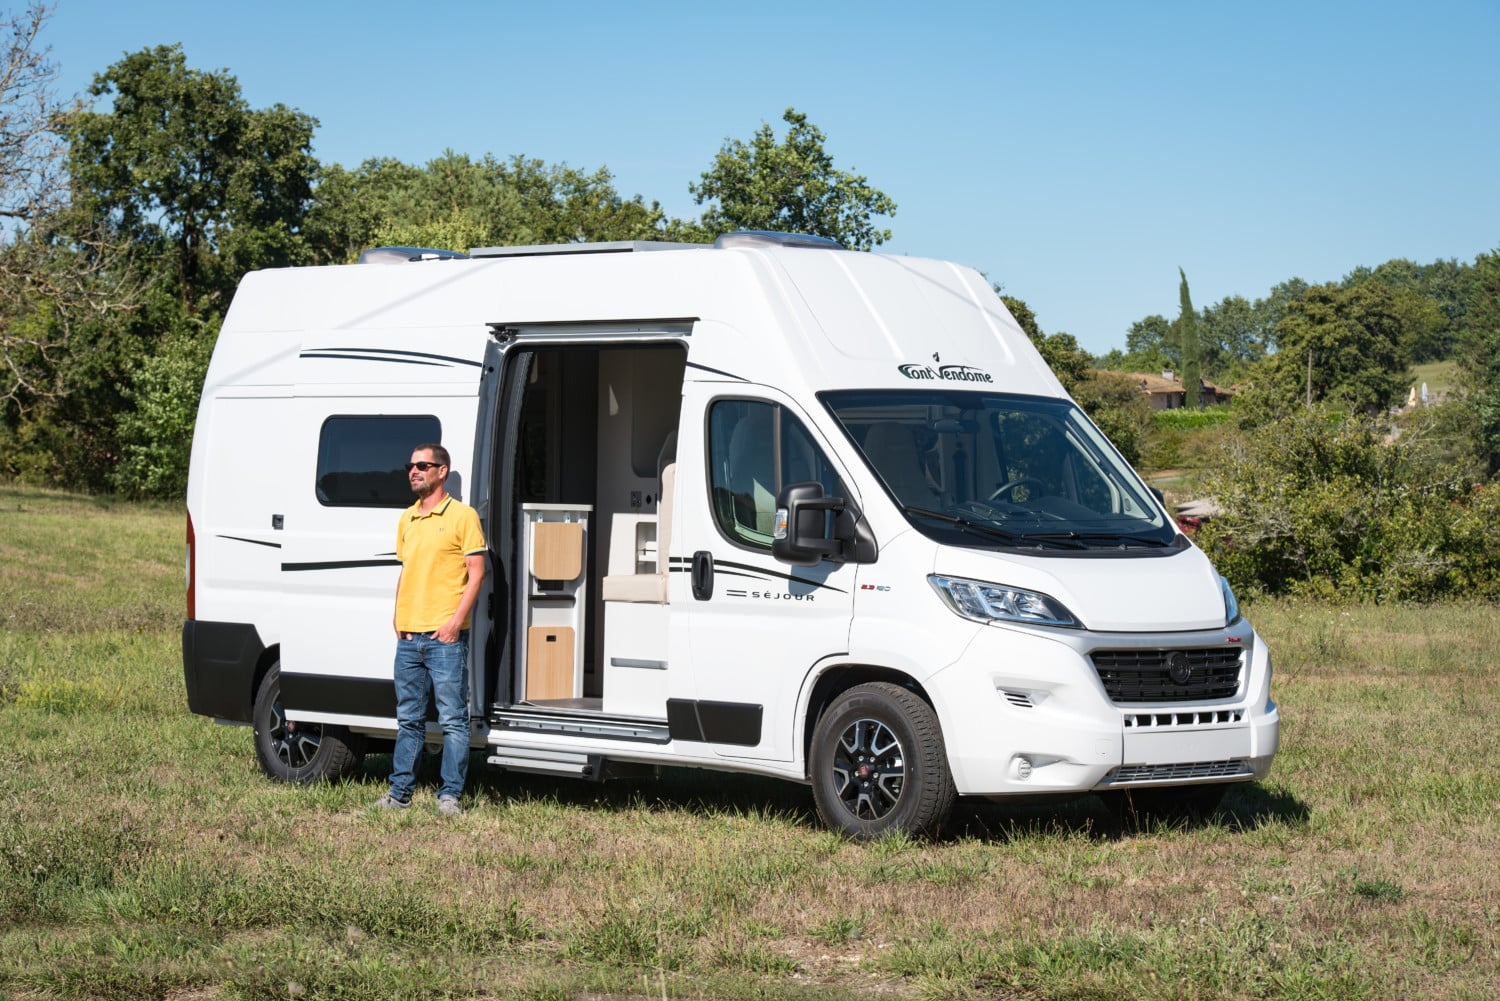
1001, 470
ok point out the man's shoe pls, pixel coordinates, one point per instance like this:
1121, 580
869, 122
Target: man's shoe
389, 802
448, 806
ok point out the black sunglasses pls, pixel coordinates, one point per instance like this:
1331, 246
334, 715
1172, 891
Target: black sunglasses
423, 466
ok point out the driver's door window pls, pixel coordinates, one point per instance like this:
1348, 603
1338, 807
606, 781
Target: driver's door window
756, 448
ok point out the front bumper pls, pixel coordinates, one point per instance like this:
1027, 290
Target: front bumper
1025, 712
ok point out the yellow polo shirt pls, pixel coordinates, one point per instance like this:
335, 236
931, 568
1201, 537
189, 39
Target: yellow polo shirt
431, 548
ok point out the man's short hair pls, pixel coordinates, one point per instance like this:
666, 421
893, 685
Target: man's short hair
439, 453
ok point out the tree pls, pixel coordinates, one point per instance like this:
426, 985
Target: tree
1231, 333
58, 282
1448, 285
1148, 348
458, 203
790, 187
1273, 308
1187, 337
1345, 345
205, 188
1481, 353
184, 168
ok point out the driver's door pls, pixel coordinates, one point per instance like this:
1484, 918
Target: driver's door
758, 627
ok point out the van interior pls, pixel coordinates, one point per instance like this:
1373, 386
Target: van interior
583, 472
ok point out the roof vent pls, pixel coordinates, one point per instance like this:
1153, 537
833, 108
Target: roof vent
764, 238
404, 255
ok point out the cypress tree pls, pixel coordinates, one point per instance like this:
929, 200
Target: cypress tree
1187, 333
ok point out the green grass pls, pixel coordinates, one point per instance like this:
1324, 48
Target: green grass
1441, 377
143, 855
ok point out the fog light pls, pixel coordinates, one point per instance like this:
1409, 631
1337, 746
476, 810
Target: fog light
1021, 766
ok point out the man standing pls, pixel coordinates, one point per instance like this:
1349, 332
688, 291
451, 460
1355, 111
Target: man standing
440, 546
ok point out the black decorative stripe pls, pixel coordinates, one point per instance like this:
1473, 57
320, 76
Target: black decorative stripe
389, 361
739, 573
253, 542
715, 371
777, 575
367, 354
339, 565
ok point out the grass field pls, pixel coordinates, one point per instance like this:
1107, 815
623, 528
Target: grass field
143, 855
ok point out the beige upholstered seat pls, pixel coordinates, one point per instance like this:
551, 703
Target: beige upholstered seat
650, 587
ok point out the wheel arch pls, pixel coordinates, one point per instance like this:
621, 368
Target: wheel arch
268, 659
833, 681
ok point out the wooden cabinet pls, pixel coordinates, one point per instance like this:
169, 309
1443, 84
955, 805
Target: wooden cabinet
554, 600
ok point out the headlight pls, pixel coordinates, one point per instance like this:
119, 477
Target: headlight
983, 602
1231, 606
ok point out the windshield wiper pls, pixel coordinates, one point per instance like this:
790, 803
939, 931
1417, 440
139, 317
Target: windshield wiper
1086, 537
994, 531
961, 522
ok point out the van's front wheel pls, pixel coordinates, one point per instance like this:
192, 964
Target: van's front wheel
299, 752
879, 764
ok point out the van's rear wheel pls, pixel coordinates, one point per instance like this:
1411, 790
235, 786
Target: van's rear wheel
879, 764
299, 752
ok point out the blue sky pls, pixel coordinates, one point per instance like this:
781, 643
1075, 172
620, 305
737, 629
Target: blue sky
1076, 153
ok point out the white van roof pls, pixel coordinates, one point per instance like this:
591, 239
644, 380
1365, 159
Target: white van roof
789, 316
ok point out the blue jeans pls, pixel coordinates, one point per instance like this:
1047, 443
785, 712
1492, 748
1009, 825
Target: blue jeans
422, 661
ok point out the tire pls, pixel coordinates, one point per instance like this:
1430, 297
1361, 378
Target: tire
299, 752
879, 765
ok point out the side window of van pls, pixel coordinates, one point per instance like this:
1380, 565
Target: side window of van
756, 448
362, 458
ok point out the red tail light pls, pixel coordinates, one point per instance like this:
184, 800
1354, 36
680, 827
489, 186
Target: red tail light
192, 571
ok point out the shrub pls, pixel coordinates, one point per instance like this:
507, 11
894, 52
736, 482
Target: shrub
157, 434
1336, 510
1188, 419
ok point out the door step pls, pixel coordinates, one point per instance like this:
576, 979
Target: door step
578, 724
518, 759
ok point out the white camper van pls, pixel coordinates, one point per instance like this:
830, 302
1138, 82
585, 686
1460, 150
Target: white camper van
768, 506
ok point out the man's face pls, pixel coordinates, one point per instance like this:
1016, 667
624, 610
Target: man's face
424, 483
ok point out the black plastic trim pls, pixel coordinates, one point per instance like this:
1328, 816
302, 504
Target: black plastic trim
322, 693
737, 723
218, 667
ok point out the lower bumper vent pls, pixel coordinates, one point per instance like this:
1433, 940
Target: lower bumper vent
1178, 772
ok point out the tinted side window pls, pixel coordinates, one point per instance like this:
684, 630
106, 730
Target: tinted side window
755, 449
362, 459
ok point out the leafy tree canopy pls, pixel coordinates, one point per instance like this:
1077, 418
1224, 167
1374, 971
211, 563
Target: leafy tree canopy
458, 203
184, 168
1481, 353
1345, 344
790, 186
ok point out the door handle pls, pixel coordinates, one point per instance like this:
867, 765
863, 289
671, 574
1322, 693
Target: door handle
703, 575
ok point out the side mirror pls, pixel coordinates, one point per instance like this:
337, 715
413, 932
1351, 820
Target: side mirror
801, 535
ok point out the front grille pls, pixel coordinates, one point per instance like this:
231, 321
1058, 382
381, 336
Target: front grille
1134, 676
1178, 772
